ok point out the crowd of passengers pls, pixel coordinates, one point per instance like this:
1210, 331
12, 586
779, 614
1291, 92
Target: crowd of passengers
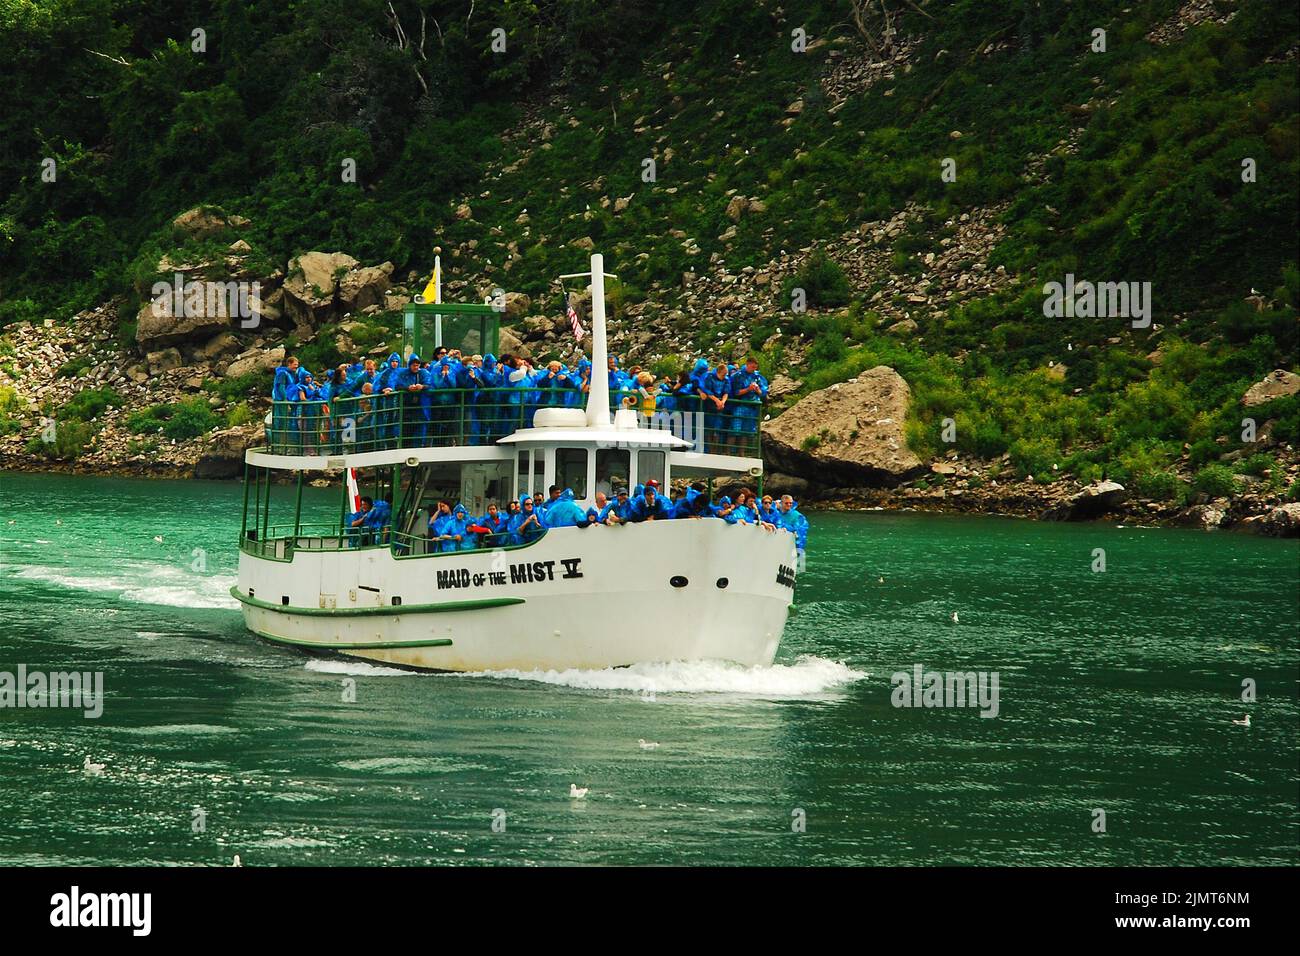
452, 528
729, 396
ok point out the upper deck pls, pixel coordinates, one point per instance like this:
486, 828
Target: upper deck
464, 418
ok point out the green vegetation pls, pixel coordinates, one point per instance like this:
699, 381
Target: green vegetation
1150, 187
1215, 481
178, 420
67, 432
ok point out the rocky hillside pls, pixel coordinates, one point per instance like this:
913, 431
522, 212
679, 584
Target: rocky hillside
872, 199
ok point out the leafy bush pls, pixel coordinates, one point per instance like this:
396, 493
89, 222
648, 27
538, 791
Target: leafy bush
822, 280
89, 404
239, 414
1216, 481
180, 420
1159, 486
70, 441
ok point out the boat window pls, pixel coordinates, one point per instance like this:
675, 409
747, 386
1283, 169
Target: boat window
613, 467
650, 464
571, 470
521, 486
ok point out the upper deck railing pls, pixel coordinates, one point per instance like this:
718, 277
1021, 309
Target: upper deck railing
446, 417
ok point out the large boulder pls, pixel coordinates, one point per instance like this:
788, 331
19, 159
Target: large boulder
1282, 521
1278, 383
510, 344
517, 305
365, 286
223, 452
850, 433
203, 222
161, 323
312, 283
1092, 502
255, 360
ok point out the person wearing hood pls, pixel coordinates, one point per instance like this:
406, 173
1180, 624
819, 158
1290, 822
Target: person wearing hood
413, 382
748, 392
693, 504
443, 400
742, 512
618, 383
306, 409
564, 512
724, 509
527, 526
794, 521
648, 506
388, 404
580, 382
460, 538
715, 390
283, 420
767, 511
376, 522
495, 525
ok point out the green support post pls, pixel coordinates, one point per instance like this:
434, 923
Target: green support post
243, 520
297, 508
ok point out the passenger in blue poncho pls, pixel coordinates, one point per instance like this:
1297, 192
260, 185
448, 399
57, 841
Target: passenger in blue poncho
438, 522
794, 521
496, 527
376, 522
599, 512
527, 526
748, 392
460, 538
693, 504
767, 511
413, 382
564, 512
388, 405
648, 506
715, 390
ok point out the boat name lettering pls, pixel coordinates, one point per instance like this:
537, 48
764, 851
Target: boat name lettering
527, 572
785, 575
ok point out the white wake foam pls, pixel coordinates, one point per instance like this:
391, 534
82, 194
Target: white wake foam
806, 677
357, 669
145, 584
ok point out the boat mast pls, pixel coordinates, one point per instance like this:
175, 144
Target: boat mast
598, 398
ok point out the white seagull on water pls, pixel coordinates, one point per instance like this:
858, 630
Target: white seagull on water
576, 792
954, 618
647, 744
1244, 722
92, 768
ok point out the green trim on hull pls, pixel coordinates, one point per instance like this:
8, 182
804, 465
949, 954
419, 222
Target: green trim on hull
361, 611
376, 646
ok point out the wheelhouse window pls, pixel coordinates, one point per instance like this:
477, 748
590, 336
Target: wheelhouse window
650, 464
571, 470
613, 467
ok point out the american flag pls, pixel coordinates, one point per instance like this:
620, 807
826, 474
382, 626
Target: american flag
576, 323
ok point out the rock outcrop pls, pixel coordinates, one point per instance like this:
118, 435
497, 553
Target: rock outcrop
1282, 521
1094, 501
1278, 383
223, 451
850, 433
311, 284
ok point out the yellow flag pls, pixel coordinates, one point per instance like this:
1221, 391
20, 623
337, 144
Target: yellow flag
431, 290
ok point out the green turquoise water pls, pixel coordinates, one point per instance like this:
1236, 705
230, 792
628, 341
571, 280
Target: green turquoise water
1117, 691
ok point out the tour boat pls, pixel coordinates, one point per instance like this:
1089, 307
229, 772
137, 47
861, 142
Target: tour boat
576, 597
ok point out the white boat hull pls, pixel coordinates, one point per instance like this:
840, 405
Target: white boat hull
578, 598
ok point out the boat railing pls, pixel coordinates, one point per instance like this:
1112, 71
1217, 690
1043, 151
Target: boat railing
446, 417
279, 542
